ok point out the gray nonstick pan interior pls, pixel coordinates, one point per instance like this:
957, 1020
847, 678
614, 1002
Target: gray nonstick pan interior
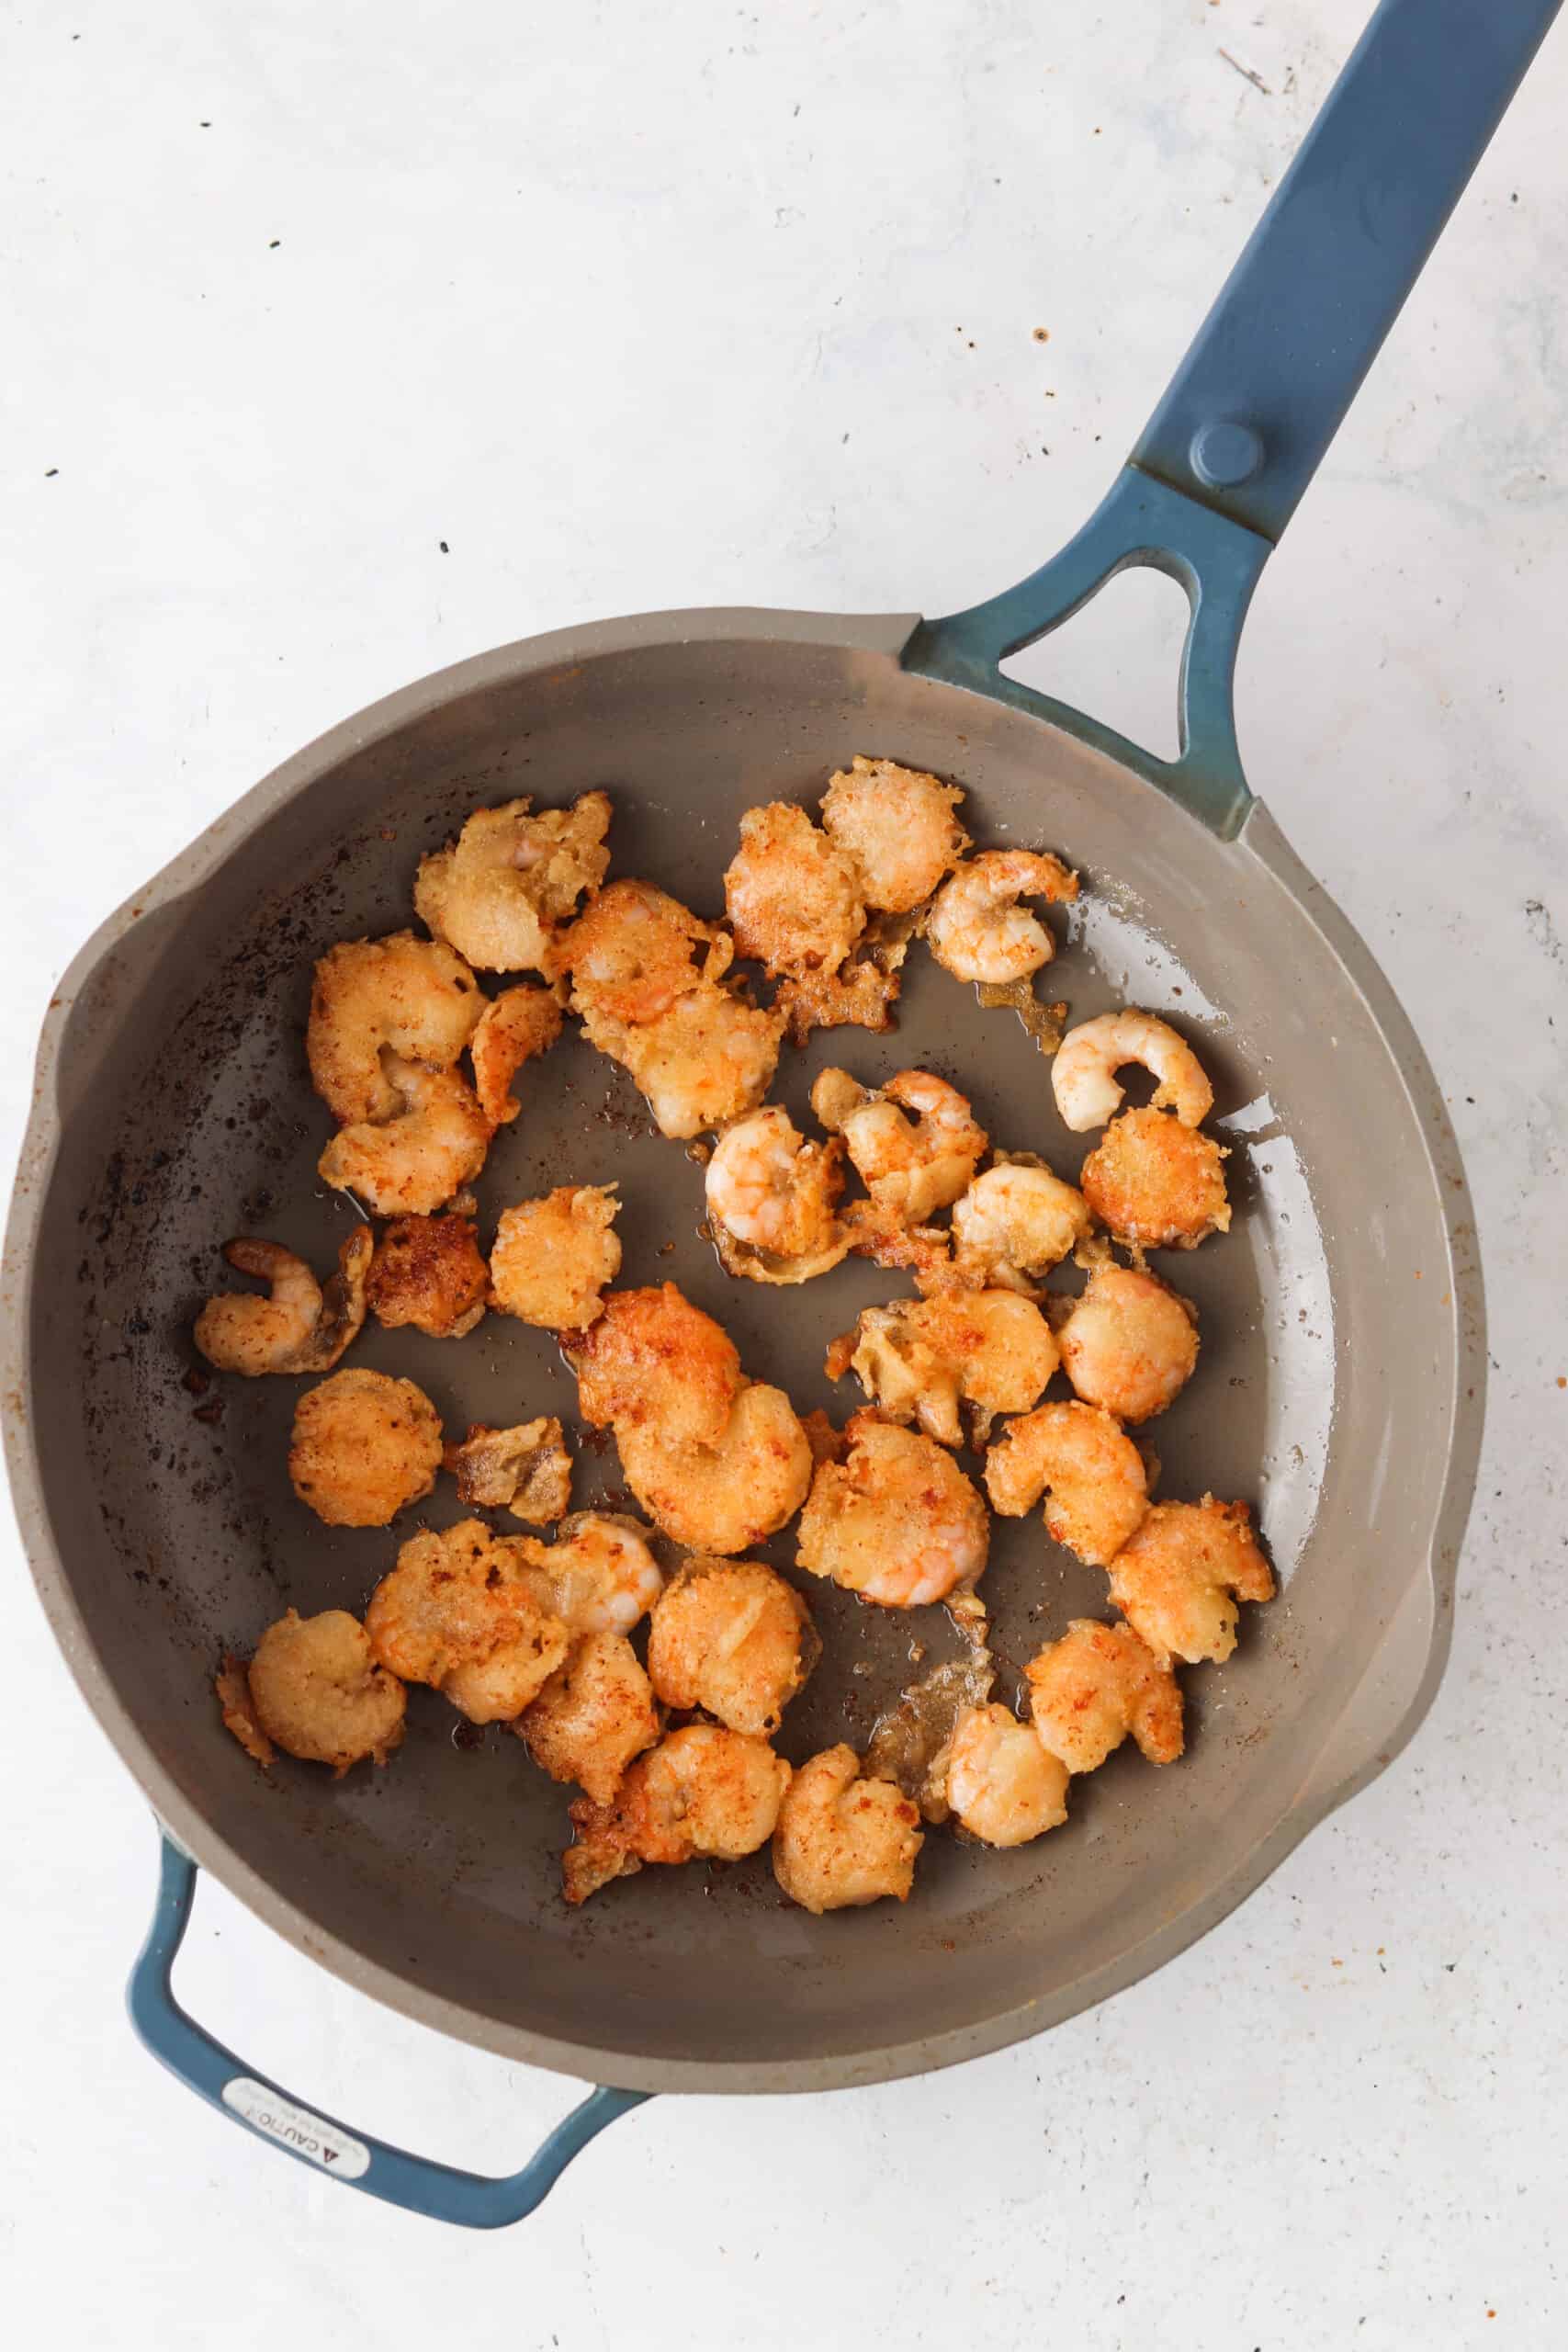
1331, 1390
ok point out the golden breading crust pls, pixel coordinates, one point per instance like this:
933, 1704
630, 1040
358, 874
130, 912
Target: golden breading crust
553, 1256
897, 826
428, 1270
731, 1637
1157, 1183
413, 998
595, 1714
793, 900
515, 1027
315, 1688
364, 1447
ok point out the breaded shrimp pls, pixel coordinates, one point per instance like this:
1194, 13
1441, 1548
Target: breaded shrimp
412, 997
501, 890
708, 1059
897, 826
1083, 1075
1003, 1785
1176, 1580
1155, 1183
1129, 1345
731, 1637
301, 1326
428, 1270
771, 1199
976, 927
792, 898
1087, 1690
515, 1027
314, 1688
842, 1839
635, 950
910, 1167
1015, 1223
919, 1356
420, 1158
595, 1714
896, 1521
525, 1470
725, 1497
1092, 1476
700, 1791
363, 1448
464, 1612
553, 1256
654, 1359
599, 1575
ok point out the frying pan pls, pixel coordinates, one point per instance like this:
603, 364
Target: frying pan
1341, 1380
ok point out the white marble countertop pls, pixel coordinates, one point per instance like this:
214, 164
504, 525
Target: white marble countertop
344, 342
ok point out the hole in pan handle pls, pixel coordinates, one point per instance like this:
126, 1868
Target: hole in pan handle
1220, 467
419, 2186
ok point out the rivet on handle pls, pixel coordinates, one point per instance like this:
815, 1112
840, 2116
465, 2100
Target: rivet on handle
1224, 454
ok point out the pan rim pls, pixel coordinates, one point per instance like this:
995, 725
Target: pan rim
1334, 1778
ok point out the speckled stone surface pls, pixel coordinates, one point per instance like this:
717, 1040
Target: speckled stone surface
346, 343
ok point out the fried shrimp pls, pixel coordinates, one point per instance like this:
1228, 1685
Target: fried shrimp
525, 1470
428, 1270
515, 1028
1129, 1345
1176, 1580
792, 897
700, 1791
599, 1574
595, 1714
1003, 1785
411, 998
912, 1167
417, 1160
1092, 1473
896, 1521
365, 1446
315, 1688
706, 1060
645, 974
725, 1497
464, 1612
1096, 1685
553, 1256
1015, 1223
976, 927
733, 1638
501, 890
1083, 1075
655, 1360
843, 1839
635, 950
301, 1326
1155, 1183
771, 1199
897, 827
918, 1357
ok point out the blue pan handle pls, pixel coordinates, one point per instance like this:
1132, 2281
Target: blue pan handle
1250, 415
391, 2174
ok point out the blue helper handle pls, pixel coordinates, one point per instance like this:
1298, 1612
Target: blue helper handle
392, 2174
1250, 412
